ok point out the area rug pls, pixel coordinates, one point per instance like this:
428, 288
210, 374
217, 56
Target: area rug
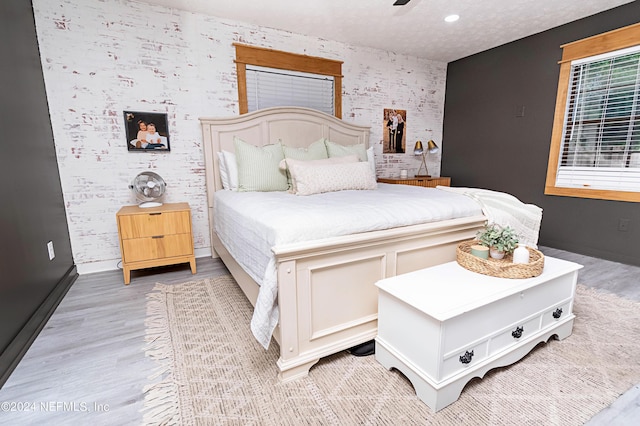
212, 371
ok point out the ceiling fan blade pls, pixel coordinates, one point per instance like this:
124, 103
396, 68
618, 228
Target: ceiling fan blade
401, 2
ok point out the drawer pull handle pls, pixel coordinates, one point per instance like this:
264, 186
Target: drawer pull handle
157, 236
557, 313
466, 358
155, 214
517, 333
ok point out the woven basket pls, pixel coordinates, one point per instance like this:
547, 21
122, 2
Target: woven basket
502, 268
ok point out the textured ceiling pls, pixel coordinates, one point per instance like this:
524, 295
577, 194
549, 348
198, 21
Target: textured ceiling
417, 29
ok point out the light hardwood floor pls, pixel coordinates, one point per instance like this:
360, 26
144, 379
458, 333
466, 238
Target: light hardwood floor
88, 364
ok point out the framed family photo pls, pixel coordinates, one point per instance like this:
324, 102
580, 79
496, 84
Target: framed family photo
394, 131
147, 131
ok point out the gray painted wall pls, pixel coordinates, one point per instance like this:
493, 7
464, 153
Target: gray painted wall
486, 145
32, 208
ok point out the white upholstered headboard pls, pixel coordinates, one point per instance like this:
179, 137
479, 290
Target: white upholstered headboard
293, 126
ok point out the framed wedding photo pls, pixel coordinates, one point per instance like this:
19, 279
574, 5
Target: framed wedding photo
147, 131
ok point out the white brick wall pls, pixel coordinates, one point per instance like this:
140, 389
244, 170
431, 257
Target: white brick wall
101, 57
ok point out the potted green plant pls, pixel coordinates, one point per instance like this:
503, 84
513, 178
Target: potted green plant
500, 240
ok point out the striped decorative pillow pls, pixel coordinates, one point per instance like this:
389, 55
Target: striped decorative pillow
258, 167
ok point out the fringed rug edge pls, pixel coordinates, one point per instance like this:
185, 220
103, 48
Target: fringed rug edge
161, 400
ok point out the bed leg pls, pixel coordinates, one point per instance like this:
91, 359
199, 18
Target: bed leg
289, 373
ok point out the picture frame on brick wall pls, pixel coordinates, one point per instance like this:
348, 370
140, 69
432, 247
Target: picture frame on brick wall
147, 131
394, 131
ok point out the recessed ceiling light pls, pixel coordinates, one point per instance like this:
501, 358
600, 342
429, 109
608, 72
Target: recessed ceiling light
452, 18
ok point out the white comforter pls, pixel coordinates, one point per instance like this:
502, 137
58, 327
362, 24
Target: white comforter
249, 224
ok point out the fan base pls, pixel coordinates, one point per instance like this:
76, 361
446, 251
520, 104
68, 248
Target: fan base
148, 204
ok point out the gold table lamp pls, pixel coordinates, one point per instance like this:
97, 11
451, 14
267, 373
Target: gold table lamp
419, 150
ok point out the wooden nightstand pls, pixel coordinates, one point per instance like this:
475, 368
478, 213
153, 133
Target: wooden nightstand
430, 182
155, 236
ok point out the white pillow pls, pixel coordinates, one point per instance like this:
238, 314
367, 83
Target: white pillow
371, 159
337, 150
232, 169
258, 167
224, 174
332, 177
228, 170
288, 162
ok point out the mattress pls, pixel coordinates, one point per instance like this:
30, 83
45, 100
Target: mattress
250, 224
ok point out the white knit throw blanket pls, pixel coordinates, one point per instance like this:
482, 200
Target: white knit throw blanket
506, 210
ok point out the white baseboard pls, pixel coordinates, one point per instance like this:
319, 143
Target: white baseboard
114, 264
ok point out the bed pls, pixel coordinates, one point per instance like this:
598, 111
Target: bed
326, 294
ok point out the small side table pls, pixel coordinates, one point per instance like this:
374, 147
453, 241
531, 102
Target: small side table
429, 182
155, 236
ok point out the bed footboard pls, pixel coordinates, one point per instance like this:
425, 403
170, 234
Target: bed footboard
326, 289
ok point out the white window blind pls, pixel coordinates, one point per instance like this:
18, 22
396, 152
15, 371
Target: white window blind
270, 87
601, 138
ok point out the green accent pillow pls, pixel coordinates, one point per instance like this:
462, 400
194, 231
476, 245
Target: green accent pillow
337, 150
258, 167
316, 151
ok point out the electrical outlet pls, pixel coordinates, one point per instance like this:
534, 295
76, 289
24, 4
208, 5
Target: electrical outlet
623, 225
52, 253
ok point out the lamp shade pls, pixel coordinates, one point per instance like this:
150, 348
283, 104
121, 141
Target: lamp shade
418, 149
431, 146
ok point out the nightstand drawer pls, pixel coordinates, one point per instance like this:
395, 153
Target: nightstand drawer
155, 223
163, 246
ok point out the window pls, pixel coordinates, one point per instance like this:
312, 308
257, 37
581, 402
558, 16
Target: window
602, 123
270, 87
273, 78
595, 147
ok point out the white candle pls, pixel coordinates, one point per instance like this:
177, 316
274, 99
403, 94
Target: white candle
521, 254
